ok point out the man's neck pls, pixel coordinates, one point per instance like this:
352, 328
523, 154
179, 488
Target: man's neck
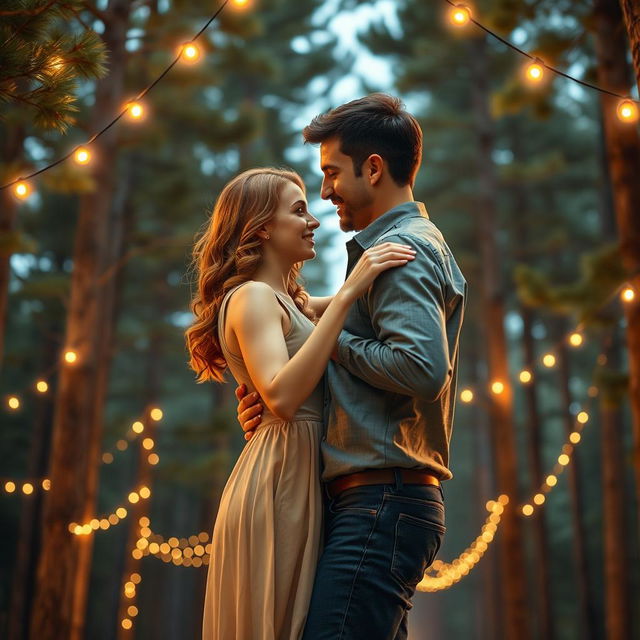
389, 201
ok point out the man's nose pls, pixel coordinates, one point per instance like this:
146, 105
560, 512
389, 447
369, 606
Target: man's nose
325, 190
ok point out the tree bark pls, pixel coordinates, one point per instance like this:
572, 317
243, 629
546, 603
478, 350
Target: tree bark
616, 556
79, 400
513, 569
623, 152
631, 11
111, 286
11, 152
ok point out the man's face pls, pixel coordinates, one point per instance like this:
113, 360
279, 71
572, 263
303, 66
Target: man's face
350, 193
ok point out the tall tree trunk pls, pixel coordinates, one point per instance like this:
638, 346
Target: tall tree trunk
11, 152
616, 556
501, 405
631, 11
110, 282
623, 152
74, 464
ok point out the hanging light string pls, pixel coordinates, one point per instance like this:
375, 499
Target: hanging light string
460, 15
442, 575
125, 110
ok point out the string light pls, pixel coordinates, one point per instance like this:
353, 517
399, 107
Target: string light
190, 53
525, 376
22, 190
135, 110
497, 387
42, 386
466, 395
442, 575
534, 71
13, 402
82, 156
187, 552
627, 111
70, 357
156, 414
549, 360
627, 295
27, 487
459, 15
114, 518
137, 427
576, 339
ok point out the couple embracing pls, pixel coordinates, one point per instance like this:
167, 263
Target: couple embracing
334, 508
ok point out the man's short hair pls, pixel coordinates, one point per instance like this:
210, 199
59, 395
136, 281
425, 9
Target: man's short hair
377, 123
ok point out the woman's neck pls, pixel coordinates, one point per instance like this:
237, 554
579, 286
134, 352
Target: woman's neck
273, 275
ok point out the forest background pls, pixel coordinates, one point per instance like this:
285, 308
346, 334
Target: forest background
534, 187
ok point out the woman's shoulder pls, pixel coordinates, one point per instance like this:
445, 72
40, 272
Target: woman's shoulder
253, 298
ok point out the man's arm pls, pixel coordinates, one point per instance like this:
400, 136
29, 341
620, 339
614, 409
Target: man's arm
249, 410
410, 353
319, 304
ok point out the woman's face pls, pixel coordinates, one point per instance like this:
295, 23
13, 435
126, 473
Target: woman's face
291, 229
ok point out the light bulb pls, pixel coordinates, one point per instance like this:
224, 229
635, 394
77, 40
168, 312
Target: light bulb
627, 111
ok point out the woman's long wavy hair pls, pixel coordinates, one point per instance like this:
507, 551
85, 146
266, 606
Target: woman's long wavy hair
227, 253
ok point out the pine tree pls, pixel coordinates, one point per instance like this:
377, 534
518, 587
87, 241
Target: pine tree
42, 61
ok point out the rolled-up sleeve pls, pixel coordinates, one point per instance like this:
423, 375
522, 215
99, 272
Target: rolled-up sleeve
410, 353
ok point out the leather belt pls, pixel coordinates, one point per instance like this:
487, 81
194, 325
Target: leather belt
379, 476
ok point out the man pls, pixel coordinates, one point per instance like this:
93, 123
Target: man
391, 388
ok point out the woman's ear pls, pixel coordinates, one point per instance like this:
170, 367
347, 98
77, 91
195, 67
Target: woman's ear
263, 233
374, 168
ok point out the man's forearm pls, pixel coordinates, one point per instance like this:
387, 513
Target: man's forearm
394, 369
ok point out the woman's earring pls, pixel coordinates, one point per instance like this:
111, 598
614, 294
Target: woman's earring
267, 237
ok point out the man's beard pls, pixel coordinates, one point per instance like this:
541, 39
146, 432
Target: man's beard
346, 223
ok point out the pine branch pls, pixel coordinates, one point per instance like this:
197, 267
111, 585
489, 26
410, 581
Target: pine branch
28, 12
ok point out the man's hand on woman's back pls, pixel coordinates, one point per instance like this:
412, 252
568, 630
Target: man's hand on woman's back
249, 410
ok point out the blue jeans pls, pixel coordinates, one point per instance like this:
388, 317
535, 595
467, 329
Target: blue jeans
379, 540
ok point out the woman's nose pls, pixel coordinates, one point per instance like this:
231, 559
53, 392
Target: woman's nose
313, 223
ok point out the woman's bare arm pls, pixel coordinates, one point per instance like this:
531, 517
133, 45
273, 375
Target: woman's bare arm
255, 319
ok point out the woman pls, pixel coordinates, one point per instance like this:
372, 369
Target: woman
253, 316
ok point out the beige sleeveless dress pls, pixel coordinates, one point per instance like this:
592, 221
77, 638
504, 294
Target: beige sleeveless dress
266, 538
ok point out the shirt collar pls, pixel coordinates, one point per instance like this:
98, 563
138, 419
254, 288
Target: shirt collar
386, 221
